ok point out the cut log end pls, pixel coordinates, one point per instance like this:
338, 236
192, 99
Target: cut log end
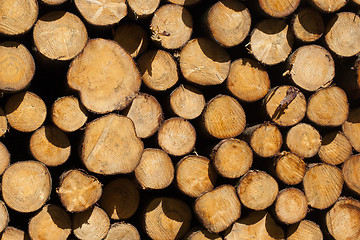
350, 173
278, 8
291, 205
305, 229
351, 128
335, 148
329, 6
290, 168
122, 230
143, 8
308, 25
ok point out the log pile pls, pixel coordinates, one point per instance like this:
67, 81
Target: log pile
179, 119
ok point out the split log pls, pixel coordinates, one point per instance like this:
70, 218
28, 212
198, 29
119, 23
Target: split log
343, 219
214, 216
343, 34
187, 101
158, 70
155, 170
78, 191
185, 2
167, 218
4, 216
92, 224
202, 234
102, 13
323, 184
105, 75
110, 145
26, 186
120, 199
335, 148
177, 136
232, 157
265, 139
350, 171
3, 122
195, 175
290, 168
278, 8
143, 8
50, 146
60, 35
122, 231
257, 185
271, 41
285, 105
328, 107
308, 25
171, 26
51, 222
311, 67
305, 229
17, 67
257, 225
11, 233
146, 114
68, 114
351, 128
132, 37
303, 140
4, 158
224, 117
25, 111
291, 205
20, 21
329, 6
229, 22
248, 80
204, 62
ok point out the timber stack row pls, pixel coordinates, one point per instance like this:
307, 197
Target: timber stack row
180, 119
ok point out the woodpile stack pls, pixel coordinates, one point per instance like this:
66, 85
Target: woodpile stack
179, 119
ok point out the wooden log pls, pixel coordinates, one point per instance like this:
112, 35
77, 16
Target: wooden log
291, 205
323, 184
265, 139
53, 2
311, 67
171, 26
3, 122
102, 13
120, 199
303, 140
257, 185
185, 2
343, 34
11, 233
257, 225
343, 219
105, 75
285, 105
50, 146
351, 128
155, 170
305, 229
158, 70
328, 107
248, 80
68, 114
51, 222
232, 157
335, 148
4, 216
278, 8
91, 224
187, 101
214, 216
195, 175
201, 234
20, 21
25, 111
290, 168
132, 37
177, 136
110, 145
167, 218
17, 67
26, 186
59, 35
271, 41
308, 25
223, 117
122, 231
146, 113
78, 191
329, 6
204, 62
143, 8
4, 158
229, 22
350, 171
